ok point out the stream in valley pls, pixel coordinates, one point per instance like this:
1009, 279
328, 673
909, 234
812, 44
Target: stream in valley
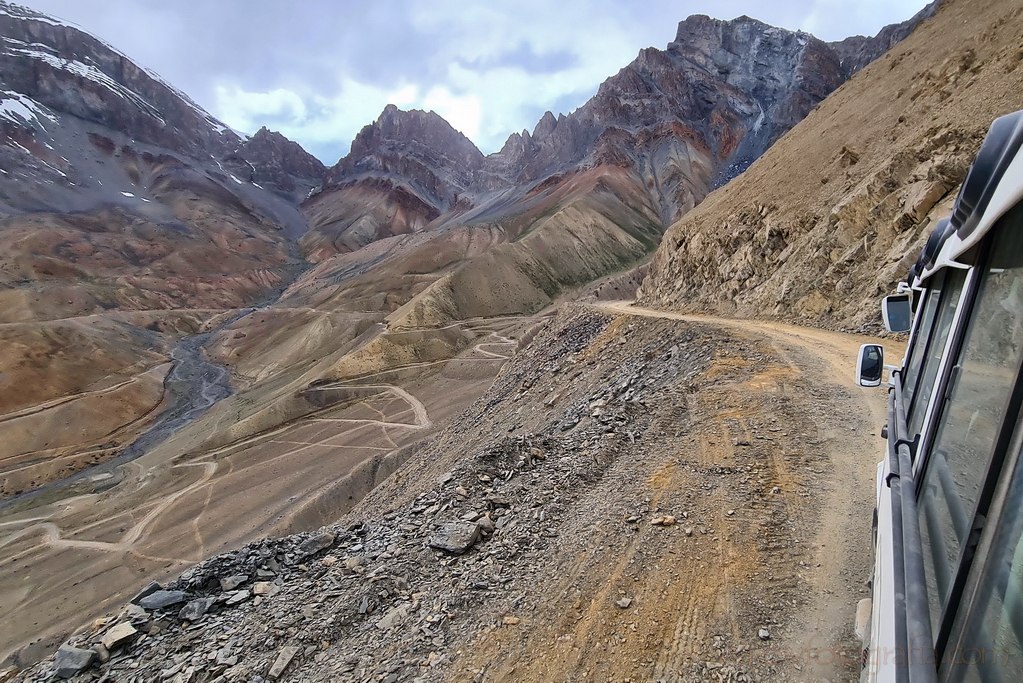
193, 385
191, 388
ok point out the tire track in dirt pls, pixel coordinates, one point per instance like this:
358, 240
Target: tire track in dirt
52, 535
761, 466
833, 560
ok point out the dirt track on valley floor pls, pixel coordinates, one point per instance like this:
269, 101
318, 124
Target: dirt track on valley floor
86, 553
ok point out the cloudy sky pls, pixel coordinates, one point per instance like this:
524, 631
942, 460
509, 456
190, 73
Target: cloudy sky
318, 70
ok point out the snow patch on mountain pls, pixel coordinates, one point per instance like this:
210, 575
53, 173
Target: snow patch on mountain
89, 72
44, 53
22, 110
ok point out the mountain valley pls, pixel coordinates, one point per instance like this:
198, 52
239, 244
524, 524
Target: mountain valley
222, 358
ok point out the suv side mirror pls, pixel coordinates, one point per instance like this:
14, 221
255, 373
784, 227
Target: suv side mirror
897, 313
870, 365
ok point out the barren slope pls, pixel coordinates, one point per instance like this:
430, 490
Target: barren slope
833, 214
281, 457
602, 425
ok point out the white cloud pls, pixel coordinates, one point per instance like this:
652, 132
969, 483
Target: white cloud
320, 123
240, 108
464, 112
832, 19
320, 70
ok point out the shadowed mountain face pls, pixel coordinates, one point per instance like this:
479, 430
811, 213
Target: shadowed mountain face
270, 160
403, 171
113, 180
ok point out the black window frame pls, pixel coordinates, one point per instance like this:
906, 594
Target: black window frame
966, 295
919, 337
918, 332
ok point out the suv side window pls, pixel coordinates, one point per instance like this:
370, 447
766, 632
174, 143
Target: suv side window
928, 312
946, 310
977, 399
989, 627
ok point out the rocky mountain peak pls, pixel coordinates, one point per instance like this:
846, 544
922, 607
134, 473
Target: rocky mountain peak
61, 67
268, 146
855, 52
423, 133
717, 95
271, 160
413, 147
545, 126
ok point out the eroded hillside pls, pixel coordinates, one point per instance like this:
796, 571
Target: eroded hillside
833, 215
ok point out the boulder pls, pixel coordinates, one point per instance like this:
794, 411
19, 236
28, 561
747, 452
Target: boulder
315, 544
71, 661
161, 598
456, 537
151, 588
195, 609
119, 635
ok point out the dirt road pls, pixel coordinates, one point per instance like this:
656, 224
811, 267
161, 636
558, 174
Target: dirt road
841, 551
772, 482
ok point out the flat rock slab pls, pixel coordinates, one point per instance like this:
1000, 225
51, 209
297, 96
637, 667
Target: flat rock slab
394, 616
161, 599
237, 597
195, 609
456, 537
120, 634
313, 545
71, 661
148, 590
283, 659
229, 583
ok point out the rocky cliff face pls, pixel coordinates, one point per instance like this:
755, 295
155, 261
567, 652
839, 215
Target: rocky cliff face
272, 161
418, 147
856, 52
831, 217
720, 93
404, 170
695, 114
67, 70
